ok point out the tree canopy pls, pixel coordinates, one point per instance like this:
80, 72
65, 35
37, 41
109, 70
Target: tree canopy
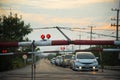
13, 28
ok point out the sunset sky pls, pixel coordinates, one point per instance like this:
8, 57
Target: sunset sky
65, 13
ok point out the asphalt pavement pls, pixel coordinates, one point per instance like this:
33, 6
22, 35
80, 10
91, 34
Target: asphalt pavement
46, 71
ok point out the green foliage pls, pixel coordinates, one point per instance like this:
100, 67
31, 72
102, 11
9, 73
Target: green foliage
12, 28
109, 58
17, 61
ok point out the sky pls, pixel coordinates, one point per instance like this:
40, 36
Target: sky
65, 13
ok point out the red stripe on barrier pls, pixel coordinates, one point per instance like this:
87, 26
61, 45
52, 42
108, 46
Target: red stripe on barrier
59, 42
93, 42
8, 44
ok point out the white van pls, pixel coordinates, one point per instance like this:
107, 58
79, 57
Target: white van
84, 61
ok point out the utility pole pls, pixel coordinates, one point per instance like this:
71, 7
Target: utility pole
79, 39
117, 23
91, 31
91, 28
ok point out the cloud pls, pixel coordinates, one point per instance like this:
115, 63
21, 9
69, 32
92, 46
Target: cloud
64, 4
47, 20
72, 21
104, 27
54, 4
13, 1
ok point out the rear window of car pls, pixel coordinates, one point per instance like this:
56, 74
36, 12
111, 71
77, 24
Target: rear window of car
85, 56
68, 56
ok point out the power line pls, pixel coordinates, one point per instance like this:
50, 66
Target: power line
95, 33
80, 30
117, 22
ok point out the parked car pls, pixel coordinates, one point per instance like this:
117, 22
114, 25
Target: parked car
84, 61
66, 60
52, 61
58, 60
71, 60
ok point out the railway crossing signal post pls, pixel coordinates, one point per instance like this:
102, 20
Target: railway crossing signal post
33, 61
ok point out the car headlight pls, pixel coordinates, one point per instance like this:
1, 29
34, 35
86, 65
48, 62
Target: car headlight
94, 67
80, 67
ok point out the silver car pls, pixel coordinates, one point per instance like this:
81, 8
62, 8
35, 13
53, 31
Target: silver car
66, 60
52, 61
58, 60
84, 61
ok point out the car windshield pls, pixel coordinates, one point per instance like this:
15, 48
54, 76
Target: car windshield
59, 57
68, 56
85, 56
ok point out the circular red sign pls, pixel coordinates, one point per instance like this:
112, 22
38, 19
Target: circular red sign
62, 48
48, 36
42, 36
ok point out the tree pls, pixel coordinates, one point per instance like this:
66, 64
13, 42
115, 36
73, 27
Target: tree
12, 28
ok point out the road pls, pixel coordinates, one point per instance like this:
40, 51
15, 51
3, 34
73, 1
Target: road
47, 71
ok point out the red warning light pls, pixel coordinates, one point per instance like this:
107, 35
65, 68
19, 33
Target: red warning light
48, 36
42, 36
4, 51
62, 48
